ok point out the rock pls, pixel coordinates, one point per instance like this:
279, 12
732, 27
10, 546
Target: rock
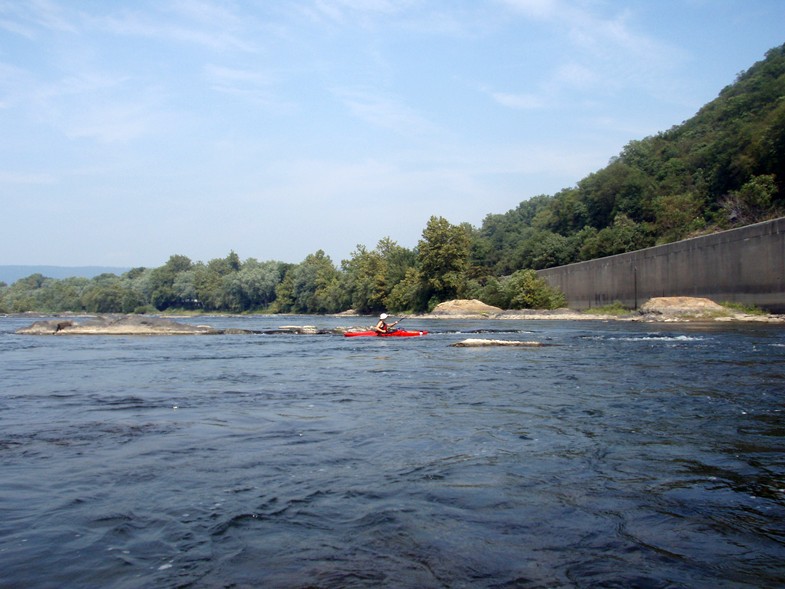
301, 329
692, 306
116, 325
553, 314
465, 307
684, 308
481, 343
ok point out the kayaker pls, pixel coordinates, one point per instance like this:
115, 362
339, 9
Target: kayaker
381, 326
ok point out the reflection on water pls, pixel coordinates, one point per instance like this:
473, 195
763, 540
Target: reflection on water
621, 455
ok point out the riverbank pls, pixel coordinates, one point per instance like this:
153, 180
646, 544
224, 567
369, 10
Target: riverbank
663, 310
656, 310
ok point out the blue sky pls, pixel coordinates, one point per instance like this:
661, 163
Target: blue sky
132, 131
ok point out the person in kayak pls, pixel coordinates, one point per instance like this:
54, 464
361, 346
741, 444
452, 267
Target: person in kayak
382, 327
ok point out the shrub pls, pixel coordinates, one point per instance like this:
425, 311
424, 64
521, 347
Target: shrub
526, 290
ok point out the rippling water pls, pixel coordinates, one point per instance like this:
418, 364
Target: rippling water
621, 455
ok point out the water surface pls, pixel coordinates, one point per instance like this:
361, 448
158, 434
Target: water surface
620, 455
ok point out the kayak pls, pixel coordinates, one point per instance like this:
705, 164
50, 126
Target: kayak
396, 333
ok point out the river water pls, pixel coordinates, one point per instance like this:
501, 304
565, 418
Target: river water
620, 455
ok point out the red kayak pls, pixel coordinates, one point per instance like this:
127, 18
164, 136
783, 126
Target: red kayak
396, 333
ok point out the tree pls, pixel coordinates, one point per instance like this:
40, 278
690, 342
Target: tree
526, 290
544, 249
309, 287
369, 276
160, 284
409, 294
443, 255
625, 235
677, 215
253, 286
753, 202
365, 279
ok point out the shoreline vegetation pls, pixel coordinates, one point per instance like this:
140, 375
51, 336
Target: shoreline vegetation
659, 310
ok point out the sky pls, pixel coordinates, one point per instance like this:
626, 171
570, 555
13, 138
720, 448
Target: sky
136, 130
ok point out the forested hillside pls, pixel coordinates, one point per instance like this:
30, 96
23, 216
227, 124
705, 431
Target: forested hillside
724, 167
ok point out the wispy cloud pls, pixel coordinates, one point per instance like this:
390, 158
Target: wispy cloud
383, 111
608, 54
252, 85
28, 18
341, 10
203, 25
519, 101
538, 9
102, 107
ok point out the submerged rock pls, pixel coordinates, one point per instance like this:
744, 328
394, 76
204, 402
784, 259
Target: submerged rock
481, 343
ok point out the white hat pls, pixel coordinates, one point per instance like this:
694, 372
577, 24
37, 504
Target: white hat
383, 316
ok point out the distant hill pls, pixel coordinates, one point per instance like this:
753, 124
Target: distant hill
10, 274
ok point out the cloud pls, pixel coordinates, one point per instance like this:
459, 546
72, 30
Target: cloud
537, 9
340, 10
107, 108
252, 85
383, 111
600, 54
184, 25
519, 101
26, 18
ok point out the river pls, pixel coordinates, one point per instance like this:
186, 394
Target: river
618, 455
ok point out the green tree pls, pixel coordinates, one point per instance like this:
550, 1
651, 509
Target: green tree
104, 294
309, 287
443, 256
212, 279
253, 286
160, 285
753, 202
544, 249
677, 215
369, 276
526, 290
365, 279
408, 294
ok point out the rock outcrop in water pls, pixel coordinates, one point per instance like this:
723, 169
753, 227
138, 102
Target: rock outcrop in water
118, 325
147, 325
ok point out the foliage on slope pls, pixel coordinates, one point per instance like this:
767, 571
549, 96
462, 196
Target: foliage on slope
724, 167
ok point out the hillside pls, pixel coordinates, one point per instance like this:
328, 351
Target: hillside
10, 274
722, 168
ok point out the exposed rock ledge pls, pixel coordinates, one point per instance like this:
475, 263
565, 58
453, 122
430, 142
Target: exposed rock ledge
147, 325
118, 325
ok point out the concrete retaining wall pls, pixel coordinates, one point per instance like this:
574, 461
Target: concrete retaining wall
745, 265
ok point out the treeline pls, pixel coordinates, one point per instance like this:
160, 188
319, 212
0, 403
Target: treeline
388, 277
723, 168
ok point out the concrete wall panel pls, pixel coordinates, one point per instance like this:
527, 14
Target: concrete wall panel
745, 265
